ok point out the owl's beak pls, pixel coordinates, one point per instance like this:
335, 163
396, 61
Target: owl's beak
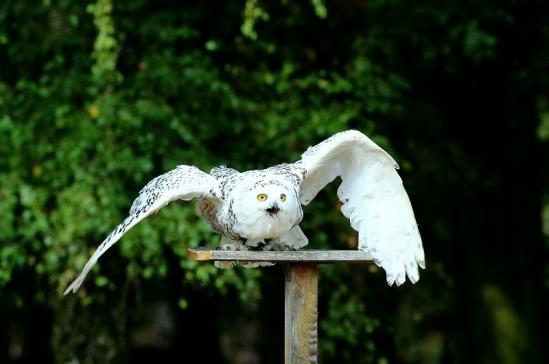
273, 210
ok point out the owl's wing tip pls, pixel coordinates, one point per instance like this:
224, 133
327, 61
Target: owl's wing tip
73, 287
68, 290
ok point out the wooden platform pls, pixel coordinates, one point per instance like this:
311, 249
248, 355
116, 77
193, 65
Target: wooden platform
300, 293
302, 256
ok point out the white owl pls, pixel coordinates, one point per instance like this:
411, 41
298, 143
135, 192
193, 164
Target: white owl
262, 208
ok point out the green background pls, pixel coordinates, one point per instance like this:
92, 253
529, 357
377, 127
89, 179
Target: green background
97, 98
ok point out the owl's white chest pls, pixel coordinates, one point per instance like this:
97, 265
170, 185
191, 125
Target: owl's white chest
260, 225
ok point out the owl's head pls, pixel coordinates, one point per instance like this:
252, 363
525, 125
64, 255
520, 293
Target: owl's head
266, 208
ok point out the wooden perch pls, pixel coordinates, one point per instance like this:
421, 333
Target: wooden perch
305, 255
301, 291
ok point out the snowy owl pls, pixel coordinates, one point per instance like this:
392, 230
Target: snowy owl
262, 208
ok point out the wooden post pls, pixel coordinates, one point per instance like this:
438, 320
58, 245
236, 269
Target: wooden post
301, 301
301, 291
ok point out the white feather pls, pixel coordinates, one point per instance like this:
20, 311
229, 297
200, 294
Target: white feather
184, 183
374, 200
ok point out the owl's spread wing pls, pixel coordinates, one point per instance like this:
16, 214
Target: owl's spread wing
373, 199
181, 183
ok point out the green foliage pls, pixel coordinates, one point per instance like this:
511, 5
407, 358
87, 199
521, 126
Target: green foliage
320, 8
96, 99
105, 47
252, 13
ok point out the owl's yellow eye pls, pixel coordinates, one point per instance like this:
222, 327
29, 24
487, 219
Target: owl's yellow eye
282, 197
262, 197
